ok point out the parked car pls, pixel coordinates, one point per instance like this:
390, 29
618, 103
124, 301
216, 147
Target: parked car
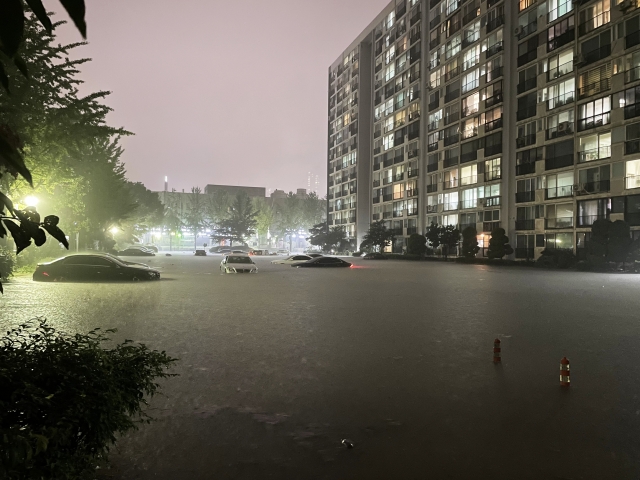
136, 252
282, 252
126, 262
101, 268
320, 262
374, 256
201, 253
292, 260
150, 246
314, 255
237, 263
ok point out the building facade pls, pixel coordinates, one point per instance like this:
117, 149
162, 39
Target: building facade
489, 114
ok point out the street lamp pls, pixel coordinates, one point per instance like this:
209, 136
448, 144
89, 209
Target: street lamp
31, 201
114, 230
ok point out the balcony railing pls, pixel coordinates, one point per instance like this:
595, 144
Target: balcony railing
529, 224
451, 139
594, 22
451, 74
470, 180
587, 220
632, 181
489, 227
376, 166
560, 222
435, 104
412, 193
432, 188
376, 199
528, 84
468, 157
597, 54
526, 112
595, 88
559, 192
388, 197
527, 57
528, 29
526, 168
560, 100
526, 140
632, 39
561, 130
450, 162
561, 40
398, 177
593, 154
412, 172
493, 125
451, 96
590, 188
631, 146
470, 16
386, 214
632, 111
529, 196
632, 75
432, 147
495, 23
447, 207
493, 49
453, 183
492, 149
560, 70
558, 162
595, 121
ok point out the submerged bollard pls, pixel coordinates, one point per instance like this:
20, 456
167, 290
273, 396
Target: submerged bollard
565, 379
497, 357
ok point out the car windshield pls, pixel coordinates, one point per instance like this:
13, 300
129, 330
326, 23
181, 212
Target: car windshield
239, 260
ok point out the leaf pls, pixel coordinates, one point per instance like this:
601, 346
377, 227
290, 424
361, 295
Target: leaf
32, 214
11, 26
8, 203
56, 233
13, 161
41, 14
39, 237
76, 10
4, 80
20, 236
51, 220
22, 65
3, 232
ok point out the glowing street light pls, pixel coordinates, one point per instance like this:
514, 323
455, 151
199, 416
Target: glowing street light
114, 230
31, 201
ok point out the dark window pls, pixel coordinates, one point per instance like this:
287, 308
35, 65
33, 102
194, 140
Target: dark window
560, 154
632, 29
527, 51
527, 106
527, 79
561, 33
596, 48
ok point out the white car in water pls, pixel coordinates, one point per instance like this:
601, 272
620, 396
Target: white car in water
292, 260
238, 263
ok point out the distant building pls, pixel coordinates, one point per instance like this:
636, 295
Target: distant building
233, 190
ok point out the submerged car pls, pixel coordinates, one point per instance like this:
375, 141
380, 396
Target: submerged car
292, 260
99, 268
374, 256
136, 252
236, 263
201, 253
314, 255
326, 262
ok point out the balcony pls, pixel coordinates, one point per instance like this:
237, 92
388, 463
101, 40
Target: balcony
450, 162
412, 153
559, 71
495, 23
594, 88
522, 197
492, 149
526, 168
597, 54
388, 197
527, 57
451, 96
528, 84
451, 206
594, 22
561, 130
632, 181
588, 220
451, 139
470, 16
493, 100
559, 192
632, 75
453, 183
398, 177
488, 227
398, 195
493, 74
434, 105
631, 111
557, 223
433, 44
432, 147
591, 188
526, 140
493, 49
528, 30
493, 125
492, 201
376, 216
595, 121
560, 100
526, 112
561, 40
432, 188
388, 162
412, 230
558, 162
330, 209
398, 214
451, 74
376, 167
593, 154
412, 172
469, 157
524, 253
631, 146
412, 193
386, 215
529, 224
452, 117
632, 39
376, 199
434, 22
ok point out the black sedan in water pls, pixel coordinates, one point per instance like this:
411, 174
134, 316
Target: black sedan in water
100, 268
136, 252
374, 256
326, 262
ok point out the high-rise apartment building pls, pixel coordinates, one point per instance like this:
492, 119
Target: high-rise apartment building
489, 114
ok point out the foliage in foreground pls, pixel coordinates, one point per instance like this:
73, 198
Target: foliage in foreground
63, 398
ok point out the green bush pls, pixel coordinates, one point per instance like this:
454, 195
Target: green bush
417, 244
556, 258
7, 263
64, 398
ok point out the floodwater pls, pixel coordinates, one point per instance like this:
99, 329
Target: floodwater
277, 368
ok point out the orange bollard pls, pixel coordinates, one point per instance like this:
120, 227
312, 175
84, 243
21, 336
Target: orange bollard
496, 351
565, 379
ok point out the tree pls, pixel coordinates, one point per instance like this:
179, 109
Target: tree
265, 217
499, 244
314, 210
195, 218
378, 236
470, 246
218, 205
327, 238
433, 235
449, 238
417, 244
610, 241
241, 222
289, 217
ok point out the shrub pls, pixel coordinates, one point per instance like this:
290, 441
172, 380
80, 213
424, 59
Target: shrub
7, 263
556, 258
64, 398
417, 244
470, 242
499, 244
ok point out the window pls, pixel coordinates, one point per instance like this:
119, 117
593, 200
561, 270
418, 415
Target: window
434, 119
594, 114
595, 81
471, 80
451, 113
469, 175
559, 240
559, 185
559, 65
471, 58
451, 135
387, 142
453, 47
491, 194
401, 118
596, 48
561, 33
528, 23
524, 4
495, 18
560, 124
492, 119
471, 34
390, 55
492, 94
435, 78
630, 100
452, 69
527, 106
493, 43
388, 109
469, 198
559, 155
559, 94
434, 59
492, 169
527, 79
632, 28
591, 210
559, 216
450, 220
632, 174
493, 69
493, 144
390, 72
470, 104
595, 147
452, 91
558, 8
450, 179
432, 141
526, 160
450, 201
527, 51
594, 180
595, 16
632, 143
470, 127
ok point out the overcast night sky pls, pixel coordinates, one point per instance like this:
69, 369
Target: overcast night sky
216, 91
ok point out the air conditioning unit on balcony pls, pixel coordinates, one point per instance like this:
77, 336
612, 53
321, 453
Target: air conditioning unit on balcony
625, 5
564, 127
579, 61
517, 31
